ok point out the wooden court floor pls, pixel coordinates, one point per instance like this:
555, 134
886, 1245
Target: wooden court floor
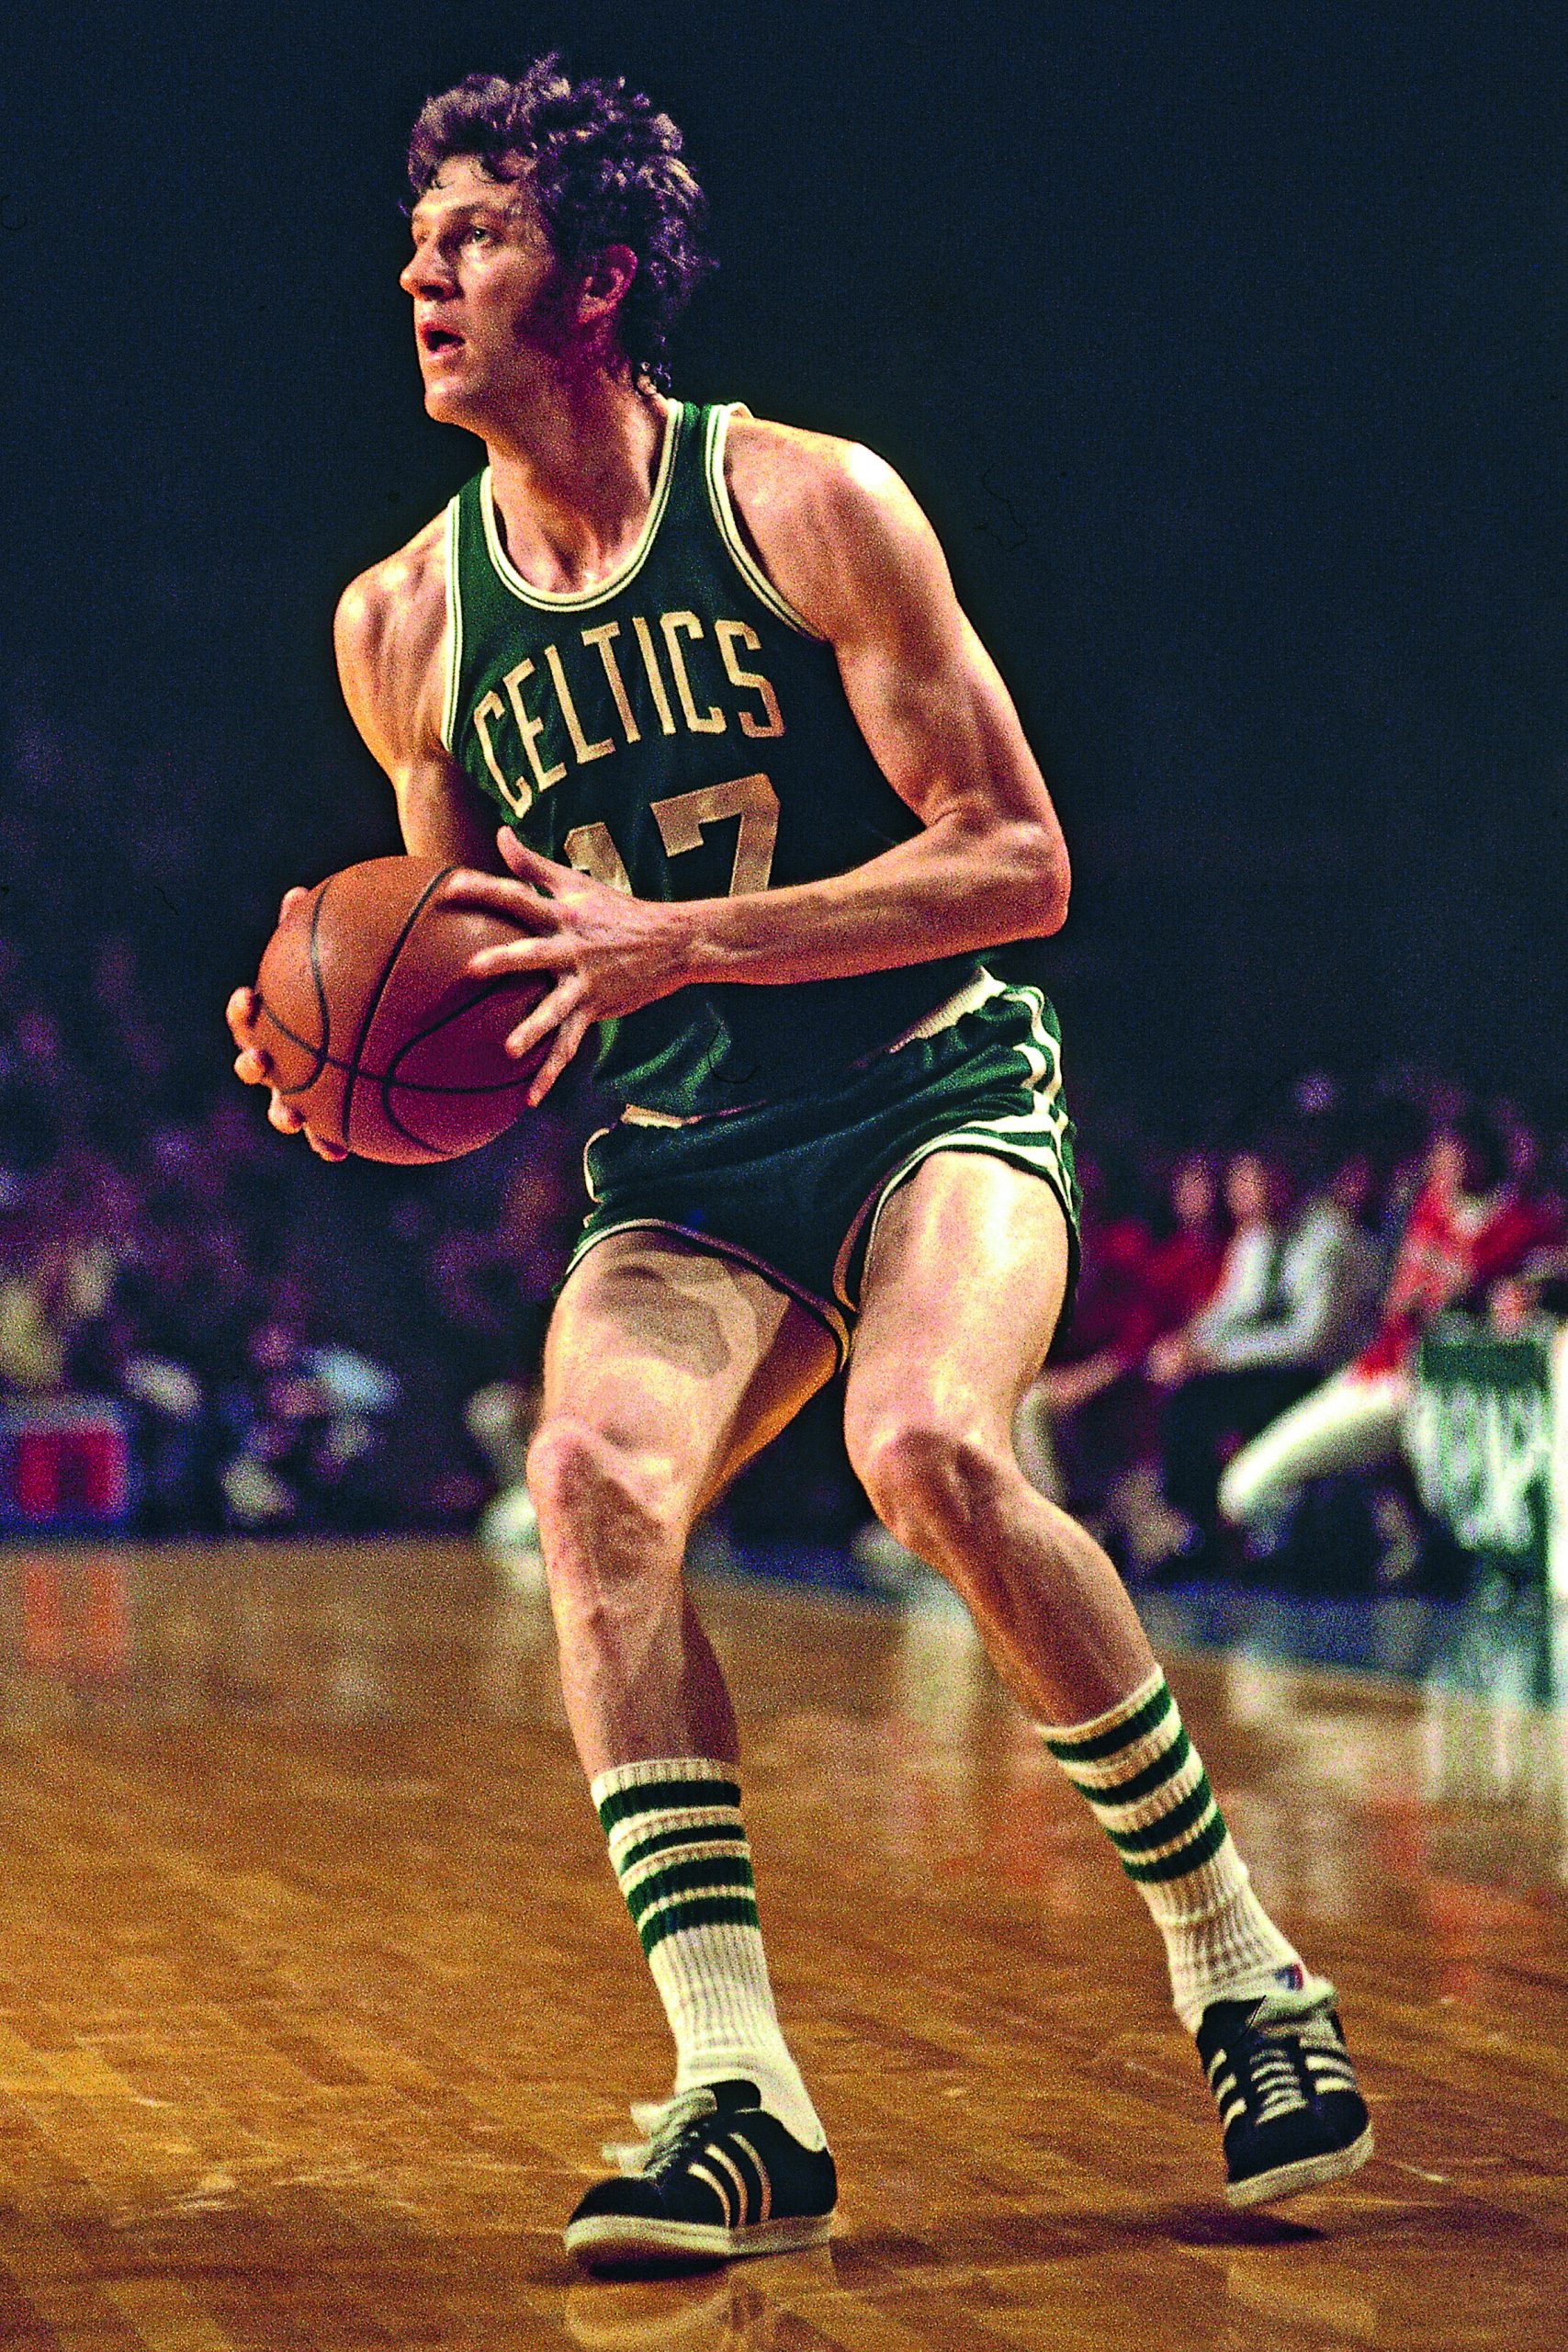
317, 1998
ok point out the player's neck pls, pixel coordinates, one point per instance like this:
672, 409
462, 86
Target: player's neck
574, 482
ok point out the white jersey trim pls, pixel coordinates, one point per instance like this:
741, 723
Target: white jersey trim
452, 652
729, 530
580, 600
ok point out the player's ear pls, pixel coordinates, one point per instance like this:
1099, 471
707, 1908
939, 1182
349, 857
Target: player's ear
603, 285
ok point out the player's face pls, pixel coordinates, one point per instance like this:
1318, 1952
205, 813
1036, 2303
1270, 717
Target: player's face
485, 289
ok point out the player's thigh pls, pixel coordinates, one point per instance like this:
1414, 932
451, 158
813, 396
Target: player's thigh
667, 1350
963, 1287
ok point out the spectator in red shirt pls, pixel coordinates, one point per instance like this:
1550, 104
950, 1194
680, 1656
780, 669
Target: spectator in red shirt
1471, 1223
1293, 1297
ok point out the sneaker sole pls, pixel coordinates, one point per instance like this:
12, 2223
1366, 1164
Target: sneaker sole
622, 2237
1308, 2172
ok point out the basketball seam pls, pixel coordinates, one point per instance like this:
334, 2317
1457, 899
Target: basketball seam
389, 1076
320, 1053
323, 1002
319, 1061
320, 1058
368, 1016
409, 1085
390, 1079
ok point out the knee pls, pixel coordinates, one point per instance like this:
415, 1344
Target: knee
1257, 1483
604, 1504
1237, 1492
935, 1485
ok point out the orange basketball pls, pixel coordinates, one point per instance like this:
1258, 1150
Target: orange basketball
375, 1032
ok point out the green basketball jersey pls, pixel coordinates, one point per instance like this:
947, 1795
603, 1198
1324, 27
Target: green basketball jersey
678, 732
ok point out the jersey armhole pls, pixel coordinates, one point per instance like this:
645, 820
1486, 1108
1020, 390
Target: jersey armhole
729, 529
451, 650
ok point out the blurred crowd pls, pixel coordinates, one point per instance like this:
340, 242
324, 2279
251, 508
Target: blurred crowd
1231, 1392
291, 1348
286, 1347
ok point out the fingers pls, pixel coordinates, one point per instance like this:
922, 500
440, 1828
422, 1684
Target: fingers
548, 1014
251, 1064
495, 894
550, 953
240, 1013
527, 863
255, 1068
570, 1036
291, 1121
288, 898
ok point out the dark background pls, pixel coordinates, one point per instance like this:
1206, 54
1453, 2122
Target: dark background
1224, 343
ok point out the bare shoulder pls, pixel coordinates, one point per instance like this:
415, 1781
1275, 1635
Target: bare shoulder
403, 596
831, 521
391, 632
782, 467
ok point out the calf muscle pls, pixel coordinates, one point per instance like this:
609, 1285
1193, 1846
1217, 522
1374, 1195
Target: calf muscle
667, 1368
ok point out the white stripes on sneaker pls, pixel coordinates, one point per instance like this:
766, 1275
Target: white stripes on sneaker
745, 2198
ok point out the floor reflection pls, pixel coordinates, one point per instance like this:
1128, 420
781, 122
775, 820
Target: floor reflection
320, 1998
754, 2309
1500, 1641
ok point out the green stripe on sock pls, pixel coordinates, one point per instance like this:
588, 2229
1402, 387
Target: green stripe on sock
1153, 1776
1190, 1858
702, 1834
1181, 1817
707, 1911
665, 1796
1154, 1711
683, 1878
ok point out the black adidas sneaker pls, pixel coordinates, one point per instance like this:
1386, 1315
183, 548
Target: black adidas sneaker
1282, 2079
719, 2177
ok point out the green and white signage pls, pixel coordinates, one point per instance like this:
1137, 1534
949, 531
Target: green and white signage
1488, 1437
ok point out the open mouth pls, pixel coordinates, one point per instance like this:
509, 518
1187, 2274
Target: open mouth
439, 338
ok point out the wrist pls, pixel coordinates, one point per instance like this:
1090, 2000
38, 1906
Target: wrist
691, 950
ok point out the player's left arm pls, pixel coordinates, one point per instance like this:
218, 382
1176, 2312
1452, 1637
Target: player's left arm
846, 543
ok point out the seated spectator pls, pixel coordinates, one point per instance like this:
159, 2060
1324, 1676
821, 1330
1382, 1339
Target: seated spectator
62, 1244
164, 1409
1535, 1297
1292, 1301
1094, 1412
1470, 1224
308, 1422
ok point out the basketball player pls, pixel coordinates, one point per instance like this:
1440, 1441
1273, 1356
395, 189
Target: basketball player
767, 811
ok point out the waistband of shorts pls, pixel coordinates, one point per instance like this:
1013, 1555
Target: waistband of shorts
980, 990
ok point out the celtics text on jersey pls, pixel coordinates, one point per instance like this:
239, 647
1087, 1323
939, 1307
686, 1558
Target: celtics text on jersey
678, 732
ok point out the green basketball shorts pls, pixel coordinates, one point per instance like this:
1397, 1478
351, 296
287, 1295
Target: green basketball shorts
794, 1187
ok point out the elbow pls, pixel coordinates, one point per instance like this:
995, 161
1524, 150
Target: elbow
1057, 890
1046, 883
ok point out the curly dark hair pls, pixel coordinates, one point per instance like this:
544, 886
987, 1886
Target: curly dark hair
603, 169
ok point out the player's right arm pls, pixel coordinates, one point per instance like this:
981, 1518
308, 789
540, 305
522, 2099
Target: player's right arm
389, 635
